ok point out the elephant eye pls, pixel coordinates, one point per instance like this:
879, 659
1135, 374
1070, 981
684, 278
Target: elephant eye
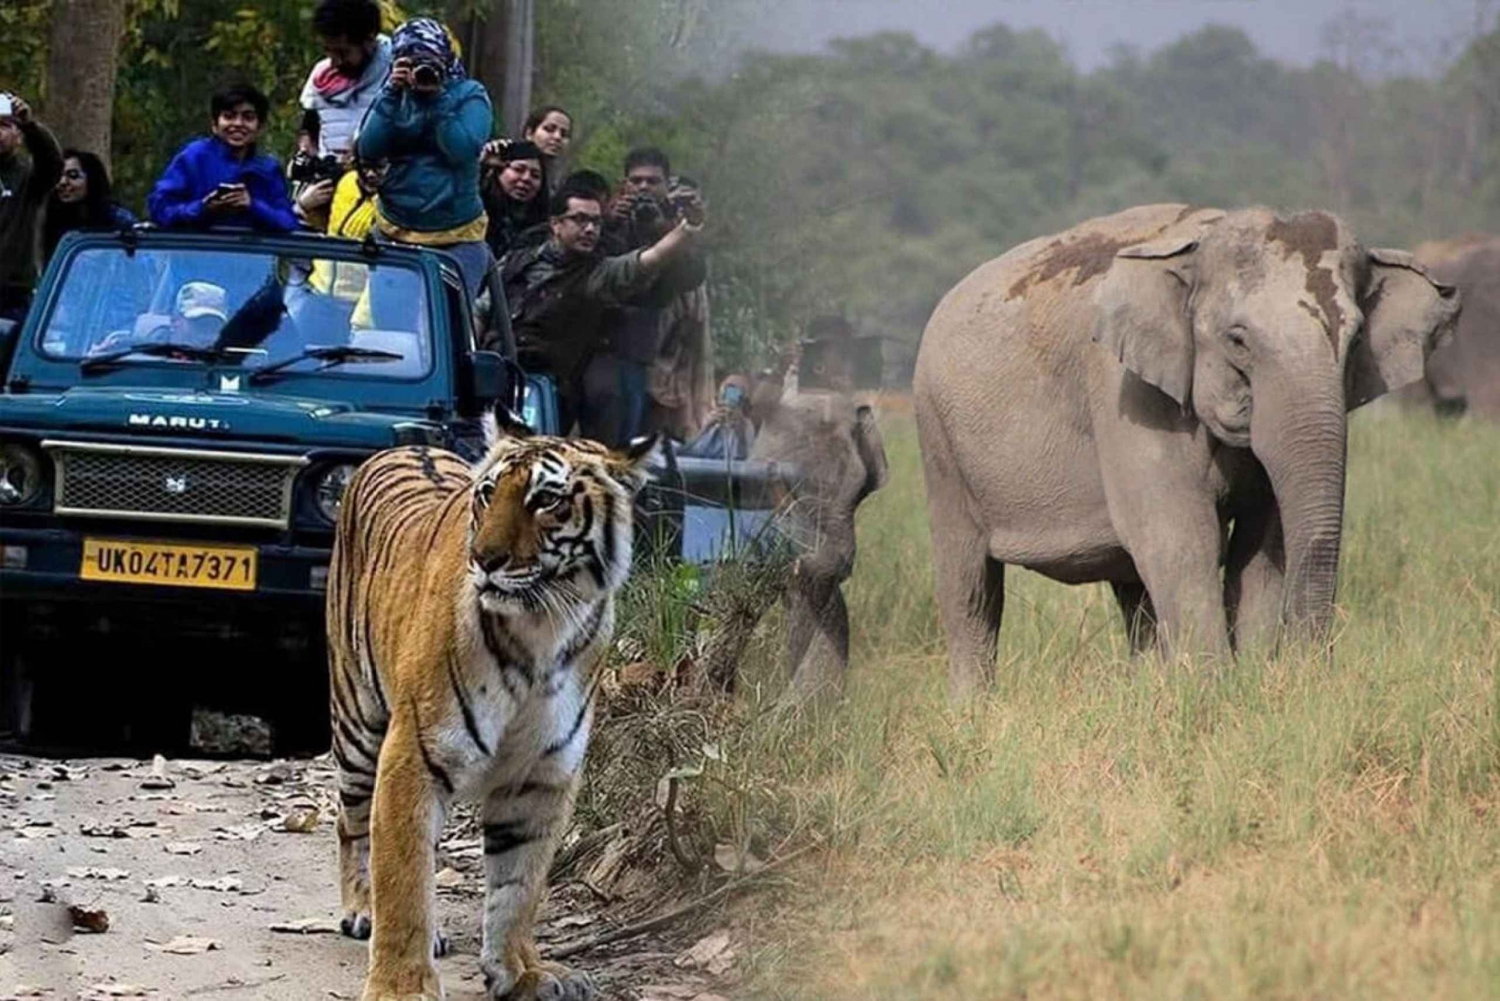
1236, 336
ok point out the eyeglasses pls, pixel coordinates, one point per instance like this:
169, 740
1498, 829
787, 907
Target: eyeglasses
72, 175
583, 220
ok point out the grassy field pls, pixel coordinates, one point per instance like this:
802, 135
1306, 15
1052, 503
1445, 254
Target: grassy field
1108, 827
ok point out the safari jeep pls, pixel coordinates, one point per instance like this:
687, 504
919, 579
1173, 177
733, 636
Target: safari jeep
179, 417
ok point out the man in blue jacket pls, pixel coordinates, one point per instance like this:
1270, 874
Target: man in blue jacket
221, 179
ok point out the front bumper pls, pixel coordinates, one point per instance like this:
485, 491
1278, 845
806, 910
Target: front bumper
44, 564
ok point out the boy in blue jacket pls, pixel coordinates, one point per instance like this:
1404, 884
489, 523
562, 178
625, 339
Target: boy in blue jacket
220, 179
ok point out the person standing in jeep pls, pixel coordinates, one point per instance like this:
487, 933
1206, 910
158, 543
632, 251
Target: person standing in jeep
25, 181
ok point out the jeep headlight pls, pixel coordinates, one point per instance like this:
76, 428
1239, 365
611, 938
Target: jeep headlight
20, 475
329, 489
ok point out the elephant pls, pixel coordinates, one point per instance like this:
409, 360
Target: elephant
835, 444
1158, 398
1463, 376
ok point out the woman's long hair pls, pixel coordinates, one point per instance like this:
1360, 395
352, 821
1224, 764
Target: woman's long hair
95, 211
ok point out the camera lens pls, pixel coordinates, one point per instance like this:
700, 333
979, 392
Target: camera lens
425, 75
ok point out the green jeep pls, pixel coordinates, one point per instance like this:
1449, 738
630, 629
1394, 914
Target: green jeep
179, 416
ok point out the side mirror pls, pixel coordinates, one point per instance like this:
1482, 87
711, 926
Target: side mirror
496, 379
488, 377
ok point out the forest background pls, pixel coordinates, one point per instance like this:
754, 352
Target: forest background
865, 179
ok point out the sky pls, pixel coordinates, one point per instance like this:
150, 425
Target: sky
1425, 31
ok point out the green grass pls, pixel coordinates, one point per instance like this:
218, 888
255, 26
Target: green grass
1109, 827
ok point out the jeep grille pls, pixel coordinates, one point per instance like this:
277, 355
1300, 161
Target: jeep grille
168, 484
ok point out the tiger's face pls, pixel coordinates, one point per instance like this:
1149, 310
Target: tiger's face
550, 521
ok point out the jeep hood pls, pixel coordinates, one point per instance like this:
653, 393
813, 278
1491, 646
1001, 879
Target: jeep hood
221, 417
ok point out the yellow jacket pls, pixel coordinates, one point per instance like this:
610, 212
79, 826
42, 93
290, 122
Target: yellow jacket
350, 216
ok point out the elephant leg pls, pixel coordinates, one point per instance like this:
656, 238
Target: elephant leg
1254, 578
1140, 616
970, 590
1176, 552
818, 637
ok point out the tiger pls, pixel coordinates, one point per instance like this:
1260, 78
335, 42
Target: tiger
468, 609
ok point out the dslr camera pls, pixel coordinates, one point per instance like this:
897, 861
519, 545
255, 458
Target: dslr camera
307, 168
426, 75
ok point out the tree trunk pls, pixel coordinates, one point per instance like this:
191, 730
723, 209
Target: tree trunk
83, 55
499, 53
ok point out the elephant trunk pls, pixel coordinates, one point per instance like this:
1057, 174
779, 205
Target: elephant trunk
1299, 432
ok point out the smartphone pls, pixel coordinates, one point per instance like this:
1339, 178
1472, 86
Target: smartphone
7, 106
224, 190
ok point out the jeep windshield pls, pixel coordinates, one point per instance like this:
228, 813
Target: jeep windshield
239, 308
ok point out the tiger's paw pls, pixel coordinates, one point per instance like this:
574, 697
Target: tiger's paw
405, 984
543, 982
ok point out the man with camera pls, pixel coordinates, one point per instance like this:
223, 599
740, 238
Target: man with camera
617, 381
558, 291
429, 125
25, 182
338, 92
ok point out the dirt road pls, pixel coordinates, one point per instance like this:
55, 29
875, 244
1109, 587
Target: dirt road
195, 871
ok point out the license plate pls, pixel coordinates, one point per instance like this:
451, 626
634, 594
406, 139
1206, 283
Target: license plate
229, 567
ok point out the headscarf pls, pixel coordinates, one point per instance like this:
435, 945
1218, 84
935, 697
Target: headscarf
424, 40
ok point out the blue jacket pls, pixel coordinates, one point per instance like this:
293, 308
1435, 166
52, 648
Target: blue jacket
433, 148
204, 164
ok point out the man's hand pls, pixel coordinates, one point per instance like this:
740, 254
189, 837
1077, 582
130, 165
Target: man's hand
689, 204
236, 198
400, 78
314, 196
20, 110
677, 240
493, 153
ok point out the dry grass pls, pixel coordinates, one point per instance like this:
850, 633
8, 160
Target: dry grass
1103, 827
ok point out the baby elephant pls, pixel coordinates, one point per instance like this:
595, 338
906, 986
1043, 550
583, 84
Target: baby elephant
837, 448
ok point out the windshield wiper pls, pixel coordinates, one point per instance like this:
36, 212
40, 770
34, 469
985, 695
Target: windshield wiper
155, 349
331, 355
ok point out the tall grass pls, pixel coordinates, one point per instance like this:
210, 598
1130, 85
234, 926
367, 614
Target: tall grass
1103, 826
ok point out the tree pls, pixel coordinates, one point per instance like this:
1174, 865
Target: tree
82, 59
498, 38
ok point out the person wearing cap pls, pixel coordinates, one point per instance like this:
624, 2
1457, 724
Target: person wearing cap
199, 313
511, 184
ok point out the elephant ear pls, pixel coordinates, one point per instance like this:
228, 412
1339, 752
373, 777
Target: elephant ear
1407, 314
1142, 316
871, 448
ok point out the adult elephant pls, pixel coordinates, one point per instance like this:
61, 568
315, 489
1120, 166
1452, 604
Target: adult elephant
1103, 404
1463, 376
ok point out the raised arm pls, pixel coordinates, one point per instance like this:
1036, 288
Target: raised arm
463, 125
46, 158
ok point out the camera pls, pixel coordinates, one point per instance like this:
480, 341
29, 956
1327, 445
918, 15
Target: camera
645, 211
307, 168
426, 75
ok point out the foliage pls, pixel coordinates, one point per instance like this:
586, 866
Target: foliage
867, 179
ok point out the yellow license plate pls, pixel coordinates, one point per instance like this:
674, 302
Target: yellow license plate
229, 567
